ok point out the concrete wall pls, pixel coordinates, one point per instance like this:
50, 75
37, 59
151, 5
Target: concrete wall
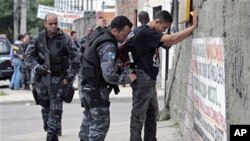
229, 20
127, 8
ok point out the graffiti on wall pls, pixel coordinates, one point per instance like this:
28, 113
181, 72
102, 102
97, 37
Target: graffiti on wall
206, 113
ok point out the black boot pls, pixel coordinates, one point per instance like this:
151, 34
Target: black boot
59, 132
45, 126
51, 137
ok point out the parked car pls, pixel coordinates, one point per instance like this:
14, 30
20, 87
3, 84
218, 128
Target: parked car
6, 69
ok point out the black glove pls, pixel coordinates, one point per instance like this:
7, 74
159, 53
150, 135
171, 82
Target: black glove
41, 69
70, 77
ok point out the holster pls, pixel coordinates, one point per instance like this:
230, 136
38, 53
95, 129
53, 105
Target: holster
95, 97
69, 93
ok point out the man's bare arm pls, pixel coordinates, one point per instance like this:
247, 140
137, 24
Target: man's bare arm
174, 38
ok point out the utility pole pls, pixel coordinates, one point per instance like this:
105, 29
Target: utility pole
16, 17
23, 25
87, 8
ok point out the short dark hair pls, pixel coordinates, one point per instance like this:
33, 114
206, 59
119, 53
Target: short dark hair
164, 16
72, 32
143, 17
120, 22
20, 37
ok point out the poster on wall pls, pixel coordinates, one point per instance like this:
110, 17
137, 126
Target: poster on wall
206, 109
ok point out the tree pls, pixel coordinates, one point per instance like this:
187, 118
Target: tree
6, 8
7, 19
34, 24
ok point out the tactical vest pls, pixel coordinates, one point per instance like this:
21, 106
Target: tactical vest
59, 57
90, 64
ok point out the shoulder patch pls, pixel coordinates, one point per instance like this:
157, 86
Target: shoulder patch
112, 55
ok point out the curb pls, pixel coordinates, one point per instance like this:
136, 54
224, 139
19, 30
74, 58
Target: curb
74, 101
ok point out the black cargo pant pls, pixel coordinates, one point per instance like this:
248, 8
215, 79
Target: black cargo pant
144, 108
96, 116
51, 105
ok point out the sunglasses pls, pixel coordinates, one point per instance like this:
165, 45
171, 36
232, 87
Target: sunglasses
52, 23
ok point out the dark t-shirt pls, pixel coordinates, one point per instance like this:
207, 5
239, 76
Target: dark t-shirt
146, 45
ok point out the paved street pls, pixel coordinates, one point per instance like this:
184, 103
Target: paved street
21, 119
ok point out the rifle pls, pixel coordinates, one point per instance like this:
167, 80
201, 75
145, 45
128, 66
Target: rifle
46, 58
48, 75
36, 78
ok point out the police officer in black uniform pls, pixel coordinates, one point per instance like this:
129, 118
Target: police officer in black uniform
100, 77
54, 60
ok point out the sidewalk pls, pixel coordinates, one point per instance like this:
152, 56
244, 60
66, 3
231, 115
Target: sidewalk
24, 96
166, 130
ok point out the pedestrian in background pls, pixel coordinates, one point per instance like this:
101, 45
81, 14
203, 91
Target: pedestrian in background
104, 23
143, 17
26, 71
100, 77
145, 104
83, 39
73, 36
16, 57
54, 58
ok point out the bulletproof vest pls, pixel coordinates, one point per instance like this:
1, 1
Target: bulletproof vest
91, 68
59, 61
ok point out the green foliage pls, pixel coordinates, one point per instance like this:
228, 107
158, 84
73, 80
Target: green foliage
2, 94
6, 8
6, 17
33, 24
46, 2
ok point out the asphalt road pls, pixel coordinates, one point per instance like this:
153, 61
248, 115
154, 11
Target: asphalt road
23, 121
20, 119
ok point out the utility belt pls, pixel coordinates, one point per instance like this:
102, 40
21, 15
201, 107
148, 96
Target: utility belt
91, 82
97, 83
95, 79
95, 97
91, 88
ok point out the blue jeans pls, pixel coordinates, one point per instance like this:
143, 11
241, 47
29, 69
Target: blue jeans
16, 78
144, 108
